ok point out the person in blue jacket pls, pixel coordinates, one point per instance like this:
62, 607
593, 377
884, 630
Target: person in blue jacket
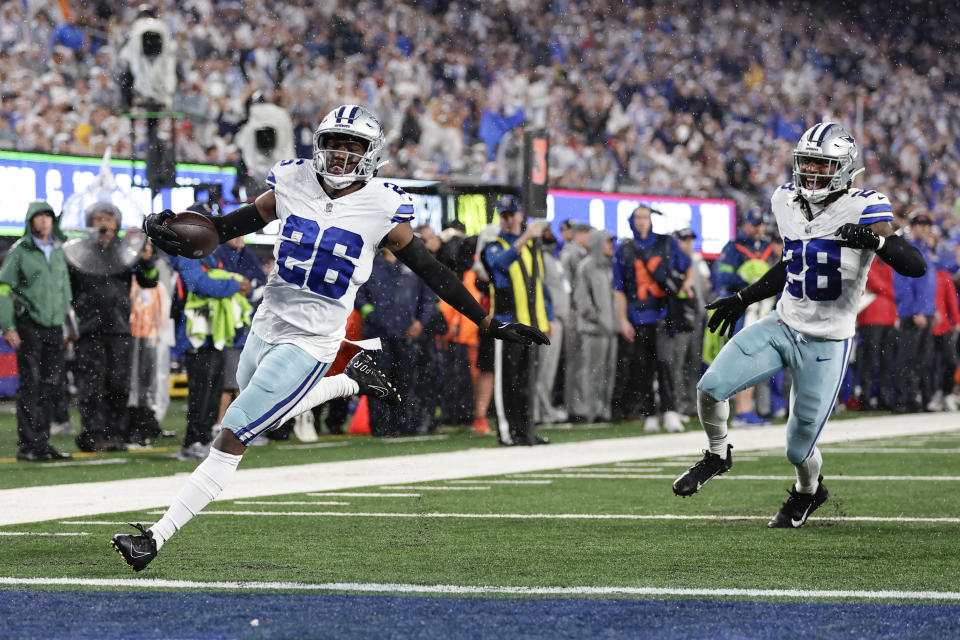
916, 305
646, 268
396, 305
204, 364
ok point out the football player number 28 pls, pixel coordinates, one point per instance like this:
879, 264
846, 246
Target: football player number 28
813, 266
329, 275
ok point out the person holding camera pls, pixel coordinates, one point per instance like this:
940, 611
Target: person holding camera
642, 267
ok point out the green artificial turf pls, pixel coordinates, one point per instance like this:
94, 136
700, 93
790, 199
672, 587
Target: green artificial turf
828, 553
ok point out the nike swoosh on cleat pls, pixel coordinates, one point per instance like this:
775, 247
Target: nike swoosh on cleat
803, 518
819, 359
380, 390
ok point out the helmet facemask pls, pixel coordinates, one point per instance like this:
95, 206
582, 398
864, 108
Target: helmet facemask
347, 146
339, 167
824, 162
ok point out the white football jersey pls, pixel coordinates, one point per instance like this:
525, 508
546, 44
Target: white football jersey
824, 281
324, 252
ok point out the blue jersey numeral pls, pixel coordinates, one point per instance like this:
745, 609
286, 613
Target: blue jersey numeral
813, 266
330, 273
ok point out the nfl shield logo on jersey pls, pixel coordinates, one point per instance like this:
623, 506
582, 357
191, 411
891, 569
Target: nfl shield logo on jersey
329, 207
806, 229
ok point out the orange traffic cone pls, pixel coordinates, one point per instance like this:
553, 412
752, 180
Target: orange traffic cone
360, 425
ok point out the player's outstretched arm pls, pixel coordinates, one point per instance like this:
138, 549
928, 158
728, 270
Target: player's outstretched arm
412, 252
726, 311
892, 249
247, 219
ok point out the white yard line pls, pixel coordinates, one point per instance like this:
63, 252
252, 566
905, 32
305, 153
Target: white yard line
853, 449
298, 502
549, 516
499, 481
45, 534
732, 476
33, 504
315, 445
429, 488
355, 494
449, 589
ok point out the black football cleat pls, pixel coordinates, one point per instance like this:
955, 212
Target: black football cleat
363, 370
798, 507
136, 550
698, 475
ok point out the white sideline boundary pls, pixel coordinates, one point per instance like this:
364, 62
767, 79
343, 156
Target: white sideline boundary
37, 504
450, 589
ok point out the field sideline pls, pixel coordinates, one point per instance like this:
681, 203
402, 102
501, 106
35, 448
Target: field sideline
31, 504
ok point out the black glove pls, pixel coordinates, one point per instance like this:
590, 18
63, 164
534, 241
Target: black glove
858, 236
162, 237
516, 332
726, 312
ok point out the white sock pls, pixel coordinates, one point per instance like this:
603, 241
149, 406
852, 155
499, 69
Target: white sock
204, 485
807, 473
330, 387
713, 417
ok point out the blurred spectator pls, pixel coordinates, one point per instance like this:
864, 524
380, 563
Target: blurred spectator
35, 297
916, 305
484, 382
149, 314
743, 261
514, 261
396, 305
100, 277
945, 328
592, 369
203, 359
550, 355
641, 267
685, 319
877, 329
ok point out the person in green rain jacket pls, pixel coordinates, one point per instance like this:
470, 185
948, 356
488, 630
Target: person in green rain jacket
34, 299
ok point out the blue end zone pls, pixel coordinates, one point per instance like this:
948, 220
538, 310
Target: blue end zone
121, 614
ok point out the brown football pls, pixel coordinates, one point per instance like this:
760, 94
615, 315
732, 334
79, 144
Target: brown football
197, 233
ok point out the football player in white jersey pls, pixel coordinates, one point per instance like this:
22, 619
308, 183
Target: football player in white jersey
334, 220
831, 232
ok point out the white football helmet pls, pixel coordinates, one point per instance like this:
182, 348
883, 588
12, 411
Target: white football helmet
830, 144
348, 121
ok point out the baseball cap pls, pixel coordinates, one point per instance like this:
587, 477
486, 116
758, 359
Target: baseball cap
508, 204
686, 234
920, 217
754, 215
579, 226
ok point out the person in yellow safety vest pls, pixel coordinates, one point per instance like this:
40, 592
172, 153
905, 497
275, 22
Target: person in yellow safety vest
515, 264
742, 262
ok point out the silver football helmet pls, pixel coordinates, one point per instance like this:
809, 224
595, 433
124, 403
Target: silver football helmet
831, 146
341, 168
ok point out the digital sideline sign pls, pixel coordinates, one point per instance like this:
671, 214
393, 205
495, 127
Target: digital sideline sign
714, 221
25, 177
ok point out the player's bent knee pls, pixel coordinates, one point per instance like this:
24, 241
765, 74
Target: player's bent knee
228, 442
713, 386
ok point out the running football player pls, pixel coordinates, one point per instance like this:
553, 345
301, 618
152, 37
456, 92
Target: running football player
831, 232
334, 220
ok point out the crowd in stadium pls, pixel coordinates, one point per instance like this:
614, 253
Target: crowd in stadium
692, 99
696, 99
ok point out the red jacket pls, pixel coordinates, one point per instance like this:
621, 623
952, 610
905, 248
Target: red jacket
948, 305
883, 310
